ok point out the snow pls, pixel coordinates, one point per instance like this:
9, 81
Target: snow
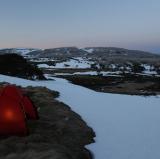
149, 69
23, 51
42, 60
63, 74
88, 50
113, 66
147, 66
107, 73
147, 72
71, 63
93, 73
127, 127
45, 66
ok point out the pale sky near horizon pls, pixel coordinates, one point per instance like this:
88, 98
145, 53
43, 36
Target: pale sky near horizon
132, 24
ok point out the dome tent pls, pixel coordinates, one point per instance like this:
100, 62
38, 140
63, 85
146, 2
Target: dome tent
15, 109
12, 118
13, 92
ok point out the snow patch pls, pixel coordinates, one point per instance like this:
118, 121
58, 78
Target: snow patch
88, 50
71, 63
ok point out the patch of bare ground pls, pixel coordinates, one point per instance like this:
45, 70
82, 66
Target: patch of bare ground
66, 70
126, 84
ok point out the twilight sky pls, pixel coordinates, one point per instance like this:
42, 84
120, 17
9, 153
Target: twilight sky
133, 24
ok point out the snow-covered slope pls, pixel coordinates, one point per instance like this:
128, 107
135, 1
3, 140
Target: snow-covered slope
89, 50
24, 51
71, 63
127, 127
21, 51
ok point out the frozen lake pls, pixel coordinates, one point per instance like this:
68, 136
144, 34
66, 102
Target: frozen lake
127, 127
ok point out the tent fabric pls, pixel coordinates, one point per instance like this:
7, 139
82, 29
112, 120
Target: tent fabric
12, 118
29, 108
17, 94
1, 90
12, 92
15, 109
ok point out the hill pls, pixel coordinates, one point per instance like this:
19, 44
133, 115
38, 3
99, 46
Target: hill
20, 51
92, 51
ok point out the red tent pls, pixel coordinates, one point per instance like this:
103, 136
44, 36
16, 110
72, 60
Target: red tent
17, 94
15, 108
12, 118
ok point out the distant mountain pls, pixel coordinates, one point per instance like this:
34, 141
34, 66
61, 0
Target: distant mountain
20, 51
75, 52
92, 51
63, 51
113, 51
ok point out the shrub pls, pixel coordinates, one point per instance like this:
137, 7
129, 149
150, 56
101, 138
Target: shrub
16, 65
137, 68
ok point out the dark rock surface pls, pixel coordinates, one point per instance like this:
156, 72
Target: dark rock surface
60, 133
